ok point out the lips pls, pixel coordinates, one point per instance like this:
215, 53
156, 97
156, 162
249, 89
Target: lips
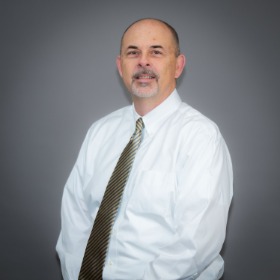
145, 75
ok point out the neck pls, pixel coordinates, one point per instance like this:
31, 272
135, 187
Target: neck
144, 105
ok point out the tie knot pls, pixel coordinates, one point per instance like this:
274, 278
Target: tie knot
139, 125
138, 129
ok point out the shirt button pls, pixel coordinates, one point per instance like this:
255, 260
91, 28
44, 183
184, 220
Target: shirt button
110, 263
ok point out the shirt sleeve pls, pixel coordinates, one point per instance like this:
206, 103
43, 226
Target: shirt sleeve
75, 220
204, 194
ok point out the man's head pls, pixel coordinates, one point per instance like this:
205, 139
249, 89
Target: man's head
171, 29
150, 60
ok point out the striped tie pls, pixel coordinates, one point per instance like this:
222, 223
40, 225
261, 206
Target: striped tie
95, 254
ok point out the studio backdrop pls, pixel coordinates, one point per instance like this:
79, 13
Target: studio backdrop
58, 76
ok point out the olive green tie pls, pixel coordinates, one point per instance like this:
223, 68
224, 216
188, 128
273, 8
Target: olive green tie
96, 250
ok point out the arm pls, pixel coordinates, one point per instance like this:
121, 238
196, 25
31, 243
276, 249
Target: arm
75, 220
204, 196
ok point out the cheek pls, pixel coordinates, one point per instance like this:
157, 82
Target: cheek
168, 74
126, 75
126, 71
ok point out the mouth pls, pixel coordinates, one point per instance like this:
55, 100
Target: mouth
144, 75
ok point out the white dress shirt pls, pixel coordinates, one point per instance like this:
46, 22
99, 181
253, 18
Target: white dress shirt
172, 220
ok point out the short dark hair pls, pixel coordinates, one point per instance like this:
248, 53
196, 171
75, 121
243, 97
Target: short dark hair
172, 30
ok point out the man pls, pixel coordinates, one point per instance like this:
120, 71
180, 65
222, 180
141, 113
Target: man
171, 220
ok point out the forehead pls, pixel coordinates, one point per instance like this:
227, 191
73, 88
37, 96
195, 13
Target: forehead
148, 32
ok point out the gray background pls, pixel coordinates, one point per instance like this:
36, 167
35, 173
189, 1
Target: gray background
58, 75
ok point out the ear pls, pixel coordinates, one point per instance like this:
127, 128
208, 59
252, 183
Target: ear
119, 64
180, 64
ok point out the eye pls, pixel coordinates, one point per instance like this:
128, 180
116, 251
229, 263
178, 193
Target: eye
157, 52
132, 53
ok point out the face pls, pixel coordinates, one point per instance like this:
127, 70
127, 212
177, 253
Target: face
148, 63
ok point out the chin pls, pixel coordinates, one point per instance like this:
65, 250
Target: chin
142, 93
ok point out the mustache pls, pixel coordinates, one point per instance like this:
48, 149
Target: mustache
145, 71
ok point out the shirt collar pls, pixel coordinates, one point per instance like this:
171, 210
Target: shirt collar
154, 118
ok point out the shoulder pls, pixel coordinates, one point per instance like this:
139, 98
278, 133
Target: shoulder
105, 129
111, 120
201, 138
196, 124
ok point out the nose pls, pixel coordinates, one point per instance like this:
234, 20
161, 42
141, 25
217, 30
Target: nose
143, 60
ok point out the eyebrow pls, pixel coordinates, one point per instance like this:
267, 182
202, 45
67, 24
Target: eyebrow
132, 47
152, 47
157, 47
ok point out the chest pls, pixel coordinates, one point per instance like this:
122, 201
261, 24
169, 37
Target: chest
153, 177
